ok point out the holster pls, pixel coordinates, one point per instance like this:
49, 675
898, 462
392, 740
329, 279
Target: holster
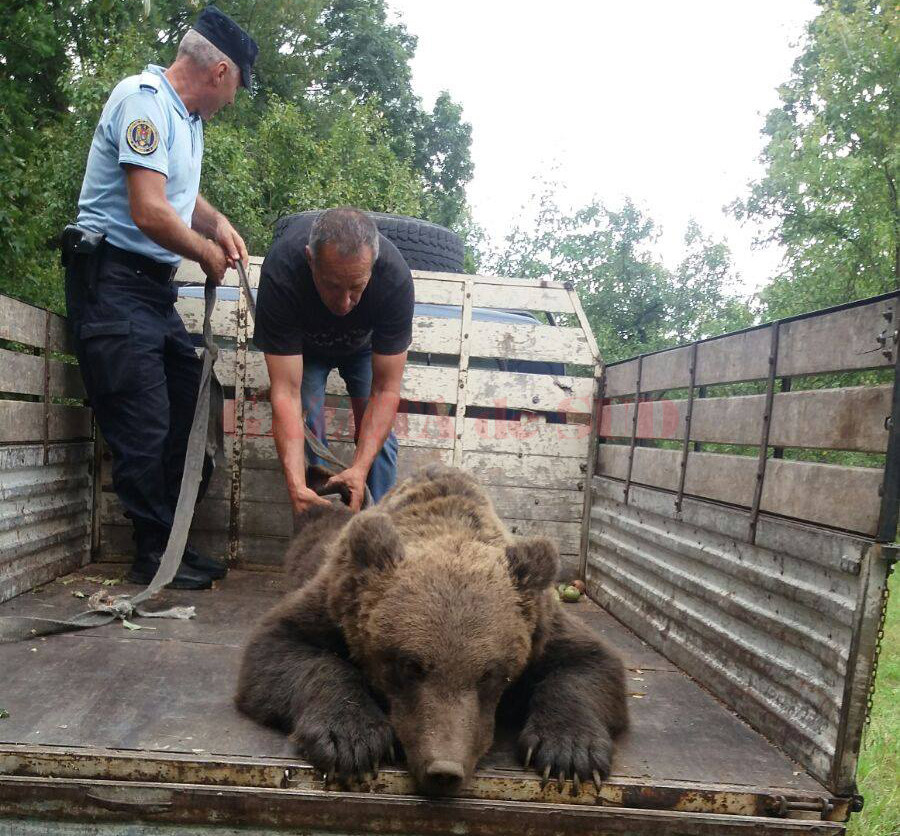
81, 253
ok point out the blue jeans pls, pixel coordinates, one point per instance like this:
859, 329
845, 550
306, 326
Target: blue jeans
356, 372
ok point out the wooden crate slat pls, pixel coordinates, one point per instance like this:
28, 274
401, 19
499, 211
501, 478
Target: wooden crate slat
189, 272
223, 321
524, 297
434, 384
566, 535
23, 323
538, 392
544, 343
830, 342
530, 471
22, 421
851, 418
23, 374
411, 430
210, 515
435, 335
526, 437
432, 292
494, 280
832, 495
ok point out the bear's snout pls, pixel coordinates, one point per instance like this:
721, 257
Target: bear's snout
443, 735
444, 777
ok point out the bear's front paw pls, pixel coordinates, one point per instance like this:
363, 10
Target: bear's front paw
347, 746
561, 750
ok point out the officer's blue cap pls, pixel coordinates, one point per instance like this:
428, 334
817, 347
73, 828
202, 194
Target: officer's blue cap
221, 31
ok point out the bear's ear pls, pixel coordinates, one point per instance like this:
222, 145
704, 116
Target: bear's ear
533, 563
373, 541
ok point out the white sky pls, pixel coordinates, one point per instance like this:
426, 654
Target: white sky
661, 100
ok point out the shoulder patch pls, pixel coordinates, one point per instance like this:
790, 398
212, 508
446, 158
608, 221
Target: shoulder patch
142, 136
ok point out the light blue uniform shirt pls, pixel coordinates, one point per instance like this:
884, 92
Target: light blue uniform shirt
143, 123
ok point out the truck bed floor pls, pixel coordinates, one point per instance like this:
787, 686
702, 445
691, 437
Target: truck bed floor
168, 689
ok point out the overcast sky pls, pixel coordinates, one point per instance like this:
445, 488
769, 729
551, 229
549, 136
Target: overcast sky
661, 100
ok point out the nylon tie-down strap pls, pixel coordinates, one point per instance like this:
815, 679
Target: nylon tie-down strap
206, 439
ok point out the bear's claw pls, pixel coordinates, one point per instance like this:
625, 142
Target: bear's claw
559, 752
343, 748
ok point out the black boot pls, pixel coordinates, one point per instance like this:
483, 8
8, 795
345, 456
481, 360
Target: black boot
216, 569
146, 565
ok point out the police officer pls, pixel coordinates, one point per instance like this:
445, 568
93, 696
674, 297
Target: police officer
139, 213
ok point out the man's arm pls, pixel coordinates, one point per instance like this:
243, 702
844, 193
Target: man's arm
210, 222
285, 375
158, 220
387, 376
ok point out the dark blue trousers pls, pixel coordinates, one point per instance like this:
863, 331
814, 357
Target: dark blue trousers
142, 376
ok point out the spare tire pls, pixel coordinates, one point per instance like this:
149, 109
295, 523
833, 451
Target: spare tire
424, 245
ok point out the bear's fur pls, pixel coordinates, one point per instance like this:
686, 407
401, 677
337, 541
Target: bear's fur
423, 613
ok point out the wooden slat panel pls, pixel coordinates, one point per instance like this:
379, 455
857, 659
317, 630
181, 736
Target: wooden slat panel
539, 392
23, 374
189, 272
524, 297
224, 317
411, 430
117, 544
837, 341
843, 340
438, 384
512, 341
431, 292
270, 500
526, 437
494, 280
837, 419
436, 335
22, 421
210, 515
264, 550
531, 342
840, 497
566, 535
525, 471
259, 453
23, 323
420, 383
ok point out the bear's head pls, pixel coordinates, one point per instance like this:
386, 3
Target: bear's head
441, 628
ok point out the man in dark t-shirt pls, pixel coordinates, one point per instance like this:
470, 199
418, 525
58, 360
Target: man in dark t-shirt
334, 293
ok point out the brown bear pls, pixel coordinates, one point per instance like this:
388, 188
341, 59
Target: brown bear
421, 621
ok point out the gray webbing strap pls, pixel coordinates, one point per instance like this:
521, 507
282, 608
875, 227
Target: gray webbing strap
206, 439
316, 447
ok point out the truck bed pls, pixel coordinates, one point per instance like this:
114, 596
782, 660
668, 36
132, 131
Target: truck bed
163, 696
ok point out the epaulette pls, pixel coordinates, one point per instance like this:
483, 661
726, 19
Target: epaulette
149, 81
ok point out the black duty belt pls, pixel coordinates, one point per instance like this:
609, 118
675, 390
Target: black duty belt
159, 271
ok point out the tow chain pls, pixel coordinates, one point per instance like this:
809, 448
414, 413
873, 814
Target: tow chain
870, 697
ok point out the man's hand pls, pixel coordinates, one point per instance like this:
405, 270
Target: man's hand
305, 498
227, 237
355, 480
214, 262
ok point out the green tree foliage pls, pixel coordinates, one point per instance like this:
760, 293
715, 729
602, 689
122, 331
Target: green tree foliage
333, 119
832, 161
633, 301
